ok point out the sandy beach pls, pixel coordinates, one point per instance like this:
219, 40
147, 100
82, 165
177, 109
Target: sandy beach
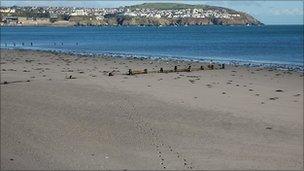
233, 118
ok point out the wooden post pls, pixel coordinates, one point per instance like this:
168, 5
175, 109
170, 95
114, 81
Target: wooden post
189, 69
175, 68
161, 70
223, 66
130, 72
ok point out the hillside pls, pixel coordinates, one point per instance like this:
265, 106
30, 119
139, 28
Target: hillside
146, 14
242, 19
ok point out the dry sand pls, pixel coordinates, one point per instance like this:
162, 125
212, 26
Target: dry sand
234, 118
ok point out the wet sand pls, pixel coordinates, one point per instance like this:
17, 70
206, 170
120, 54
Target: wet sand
232, 118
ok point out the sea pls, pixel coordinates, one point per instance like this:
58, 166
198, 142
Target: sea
272, 45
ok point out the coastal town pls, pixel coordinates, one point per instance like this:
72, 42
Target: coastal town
16, 15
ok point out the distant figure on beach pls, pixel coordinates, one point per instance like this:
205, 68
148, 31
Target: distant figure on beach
211, 62
22, 43
14, 44
76, 43
61, 43
31, 43
211, 66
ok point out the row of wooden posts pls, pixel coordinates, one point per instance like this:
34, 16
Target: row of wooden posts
189, 69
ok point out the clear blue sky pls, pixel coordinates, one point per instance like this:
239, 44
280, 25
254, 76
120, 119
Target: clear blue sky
269, 12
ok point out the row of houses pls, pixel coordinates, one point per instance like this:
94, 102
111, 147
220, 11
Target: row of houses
99, 13
182, 13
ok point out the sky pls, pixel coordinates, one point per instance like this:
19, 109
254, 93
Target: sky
271, 12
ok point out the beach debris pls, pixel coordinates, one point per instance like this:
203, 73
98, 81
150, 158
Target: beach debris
71, 77
250, 89
192, 81
268, 127
296, 95
273, 98
279, 90
262, 102
93, 75
209, 85
111, 74
28, 60
6, 82
223, 92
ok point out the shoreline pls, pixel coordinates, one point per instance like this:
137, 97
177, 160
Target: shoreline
254, 64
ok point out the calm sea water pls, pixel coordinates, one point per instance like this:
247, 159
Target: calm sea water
265, 44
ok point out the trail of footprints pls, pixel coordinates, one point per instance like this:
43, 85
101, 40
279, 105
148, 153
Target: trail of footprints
162, 149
